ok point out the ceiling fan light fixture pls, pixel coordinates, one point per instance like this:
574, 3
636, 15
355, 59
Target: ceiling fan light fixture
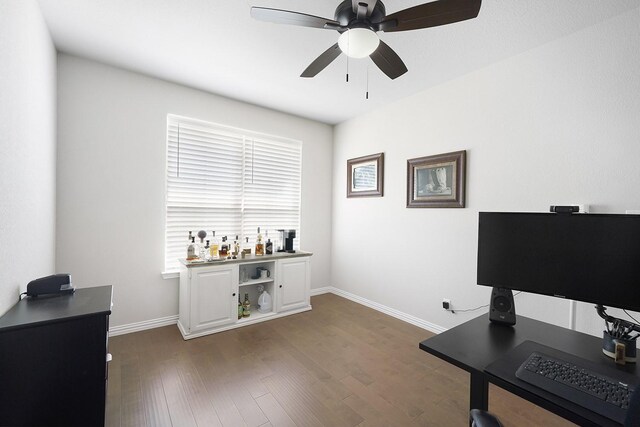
358, 42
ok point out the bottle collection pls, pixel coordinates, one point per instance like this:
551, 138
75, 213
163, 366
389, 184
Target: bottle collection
213, 249
264, 303
203, 250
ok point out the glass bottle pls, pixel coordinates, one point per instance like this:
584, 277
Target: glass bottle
259, 244
268, 247
240, 308
207, 251
196, 248
224, 248
213, 249
191, 249
246, 306
202, 251
246, 249
236, 248
189, 243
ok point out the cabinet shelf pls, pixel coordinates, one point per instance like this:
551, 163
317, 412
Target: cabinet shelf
255, 315
256, 281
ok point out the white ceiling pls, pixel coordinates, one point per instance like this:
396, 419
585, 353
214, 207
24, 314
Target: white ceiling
214, 45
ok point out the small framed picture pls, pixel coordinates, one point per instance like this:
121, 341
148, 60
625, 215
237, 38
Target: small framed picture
365, 176
437, 181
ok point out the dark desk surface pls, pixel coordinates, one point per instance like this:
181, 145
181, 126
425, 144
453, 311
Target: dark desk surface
43, 309
476, 344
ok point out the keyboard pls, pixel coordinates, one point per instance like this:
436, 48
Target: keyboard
602, 394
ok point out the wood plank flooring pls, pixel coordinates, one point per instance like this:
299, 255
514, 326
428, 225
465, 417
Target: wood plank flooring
341, 364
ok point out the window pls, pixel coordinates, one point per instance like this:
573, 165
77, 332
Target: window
230, 181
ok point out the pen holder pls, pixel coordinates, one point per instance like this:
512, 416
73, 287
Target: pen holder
621, 350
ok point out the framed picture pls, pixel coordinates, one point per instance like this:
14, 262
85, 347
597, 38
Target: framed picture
436, 181
365, 176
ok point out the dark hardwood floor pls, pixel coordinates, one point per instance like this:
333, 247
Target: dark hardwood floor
341, 364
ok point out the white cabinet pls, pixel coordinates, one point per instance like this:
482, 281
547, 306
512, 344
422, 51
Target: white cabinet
209, 292
208, 298
292, 278
214, 298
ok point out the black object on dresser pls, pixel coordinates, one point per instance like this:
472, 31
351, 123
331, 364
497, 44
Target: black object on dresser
53, 359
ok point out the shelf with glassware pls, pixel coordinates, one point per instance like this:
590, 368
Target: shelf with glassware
256, 288
212, 293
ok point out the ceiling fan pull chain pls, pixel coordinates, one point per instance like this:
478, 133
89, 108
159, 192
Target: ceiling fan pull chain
347, 69
367, 95
348, 38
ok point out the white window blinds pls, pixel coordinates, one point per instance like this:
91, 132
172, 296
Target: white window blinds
228, 180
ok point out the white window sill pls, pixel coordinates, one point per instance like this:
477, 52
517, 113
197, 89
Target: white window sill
170, 274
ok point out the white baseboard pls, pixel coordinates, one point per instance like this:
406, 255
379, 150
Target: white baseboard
320, 291
142, 326
416, 321
172, 320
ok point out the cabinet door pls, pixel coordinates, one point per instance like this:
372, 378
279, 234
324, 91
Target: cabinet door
293, 283
214, 297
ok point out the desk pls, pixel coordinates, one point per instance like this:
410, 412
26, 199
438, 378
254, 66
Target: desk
474, 345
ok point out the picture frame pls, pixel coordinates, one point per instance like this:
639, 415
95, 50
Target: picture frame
437, 181
365, 176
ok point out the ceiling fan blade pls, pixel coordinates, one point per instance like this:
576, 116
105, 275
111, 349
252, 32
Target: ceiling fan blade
369, 4
279, 16
321, 62
440, 12
388, 61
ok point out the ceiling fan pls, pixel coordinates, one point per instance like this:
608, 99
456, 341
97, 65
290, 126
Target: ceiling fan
358, 21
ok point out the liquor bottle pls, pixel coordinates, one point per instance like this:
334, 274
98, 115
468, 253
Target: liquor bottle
246, 248
189, 243
213, 249
268, 247
191, 249
224, 248
259, 244
236, 248
246, 306
196, 248
207, 250
240, 308
202, 251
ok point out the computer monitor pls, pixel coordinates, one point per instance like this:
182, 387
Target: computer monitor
585, 257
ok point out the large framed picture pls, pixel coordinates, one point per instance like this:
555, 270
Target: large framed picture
437, 181
365, 176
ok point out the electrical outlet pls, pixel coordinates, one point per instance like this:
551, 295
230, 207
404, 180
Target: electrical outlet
446, 303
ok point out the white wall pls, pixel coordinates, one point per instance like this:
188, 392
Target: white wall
111, 180
557, 124
27, 148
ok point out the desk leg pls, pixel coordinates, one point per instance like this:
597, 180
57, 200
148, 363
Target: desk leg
479, 393
479, 396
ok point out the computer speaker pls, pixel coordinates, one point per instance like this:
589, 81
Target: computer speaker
502, 308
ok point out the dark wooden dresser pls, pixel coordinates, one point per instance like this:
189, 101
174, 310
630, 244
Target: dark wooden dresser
53, 359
